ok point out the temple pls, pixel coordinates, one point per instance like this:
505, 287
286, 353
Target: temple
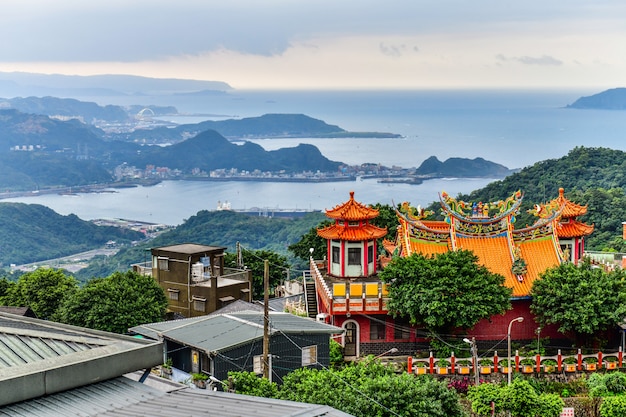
350, 294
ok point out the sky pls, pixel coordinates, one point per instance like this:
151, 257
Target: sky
324, 44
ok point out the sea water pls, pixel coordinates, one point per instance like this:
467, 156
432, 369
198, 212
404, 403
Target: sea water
512, 128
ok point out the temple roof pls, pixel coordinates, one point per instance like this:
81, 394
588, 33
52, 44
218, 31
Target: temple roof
352, 210
570, 209
352, 233
518, 255
573, 228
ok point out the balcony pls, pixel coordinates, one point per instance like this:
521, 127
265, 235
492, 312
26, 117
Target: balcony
349, 296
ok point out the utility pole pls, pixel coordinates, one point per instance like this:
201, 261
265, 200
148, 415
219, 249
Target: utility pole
266, 320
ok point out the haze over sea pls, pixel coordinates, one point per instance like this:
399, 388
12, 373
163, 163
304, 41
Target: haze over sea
513, 128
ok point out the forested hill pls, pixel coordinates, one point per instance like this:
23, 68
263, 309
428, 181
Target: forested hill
590, 176
32, 232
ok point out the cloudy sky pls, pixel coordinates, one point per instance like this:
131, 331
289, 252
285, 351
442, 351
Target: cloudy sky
324, 43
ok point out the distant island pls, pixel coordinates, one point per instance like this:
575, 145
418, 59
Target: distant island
613, 99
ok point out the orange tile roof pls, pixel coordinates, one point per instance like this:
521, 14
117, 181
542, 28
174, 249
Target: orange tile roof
571, 209
352, 210
573, 228
352, 233
539, 254
492, 252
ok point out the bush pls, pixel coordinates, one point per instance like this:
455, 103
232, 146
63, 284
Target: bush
481, 397
613, 407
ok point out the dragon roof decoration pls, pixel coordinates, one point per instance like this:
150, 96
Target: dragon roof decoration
489, 212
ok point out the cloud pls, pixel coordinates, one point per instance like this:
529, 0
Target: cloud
396, 50
529, 60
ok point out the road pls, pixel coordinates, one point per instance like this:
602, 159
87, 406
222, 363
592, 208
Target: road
71, 263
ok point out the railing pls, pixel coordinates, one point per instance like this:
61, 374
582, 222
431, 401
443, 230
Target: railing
534, 364
236, 274
143, 268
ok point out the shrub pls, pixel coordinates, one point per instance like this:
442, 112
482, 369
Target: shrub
461, 386
615, 382
613, 407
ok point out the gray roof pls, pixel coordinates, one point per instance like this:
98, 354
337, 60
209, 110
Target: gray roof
190, 248
216, 333
124, 397
39, 357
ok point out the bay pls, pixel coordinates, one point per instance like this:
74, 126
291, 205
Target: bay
172, 202
514, 128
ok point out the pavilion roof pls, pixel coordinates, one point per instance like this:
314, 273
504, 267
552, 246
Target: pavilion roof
573, 228
570, 208
352, 233
352, 210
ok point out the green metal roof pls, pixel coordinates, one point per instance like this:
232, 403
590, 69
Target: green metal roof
224, 331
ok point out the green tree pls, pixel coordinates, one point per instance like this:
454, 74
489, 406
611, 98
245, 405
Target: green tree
43, 290
367, 389
115, 303
582, 299
302, 248
520, 398
449, 290
255, 261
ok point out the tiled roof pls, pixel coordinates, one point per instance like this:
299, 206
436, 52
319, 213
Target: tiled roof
492, 252
573, 228
352, 233
571, 209
352, 210
539, 254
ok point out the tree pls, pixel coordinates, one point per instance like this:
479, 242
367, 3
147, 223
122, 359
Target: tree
302, 248
583, 299
446, 291
255, 261
367, 388
43, 290
115, 303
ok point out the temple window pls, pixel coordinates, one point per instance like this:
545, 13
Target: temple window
354, 256
334, 253
377, 330
370, 254
353, 224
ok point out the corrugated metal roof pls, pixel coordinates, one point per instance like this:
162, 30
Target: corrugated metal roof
39, 357
217, 332
124, 397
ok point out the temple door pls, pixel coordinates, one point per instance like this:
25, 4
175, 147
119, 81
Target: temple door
350, 339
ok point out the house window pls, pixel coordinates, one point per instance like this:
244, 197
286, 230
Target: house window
354, 256
401, 332
199, 304
172, 294
377, 330
309, 355
335, 254
164, 264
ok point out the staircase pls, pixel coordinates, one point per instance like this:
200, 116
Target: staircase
310, 295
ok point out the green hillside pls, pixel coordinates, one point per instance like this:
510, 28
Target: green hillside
32, 232
590, 176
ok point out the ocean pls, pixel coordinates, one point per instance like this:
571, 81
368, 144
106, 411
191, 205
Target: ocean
512, 128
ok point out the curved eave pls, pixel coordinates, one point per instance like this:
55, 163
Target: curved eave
573, 229
570, 209
352, 210
351, 233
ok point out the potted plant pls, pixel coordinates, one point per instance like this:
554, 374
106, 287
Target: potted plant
590, 363
420, 367
504, 366
611, 362
569, 363
549, 365
464, 366
485, 366
166, 368
199, 380
442, 366
528, 365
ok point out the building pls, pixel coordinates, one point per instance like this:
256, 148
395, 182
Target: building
350, 295
219, 343
195, 279
49, 369
349, 292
